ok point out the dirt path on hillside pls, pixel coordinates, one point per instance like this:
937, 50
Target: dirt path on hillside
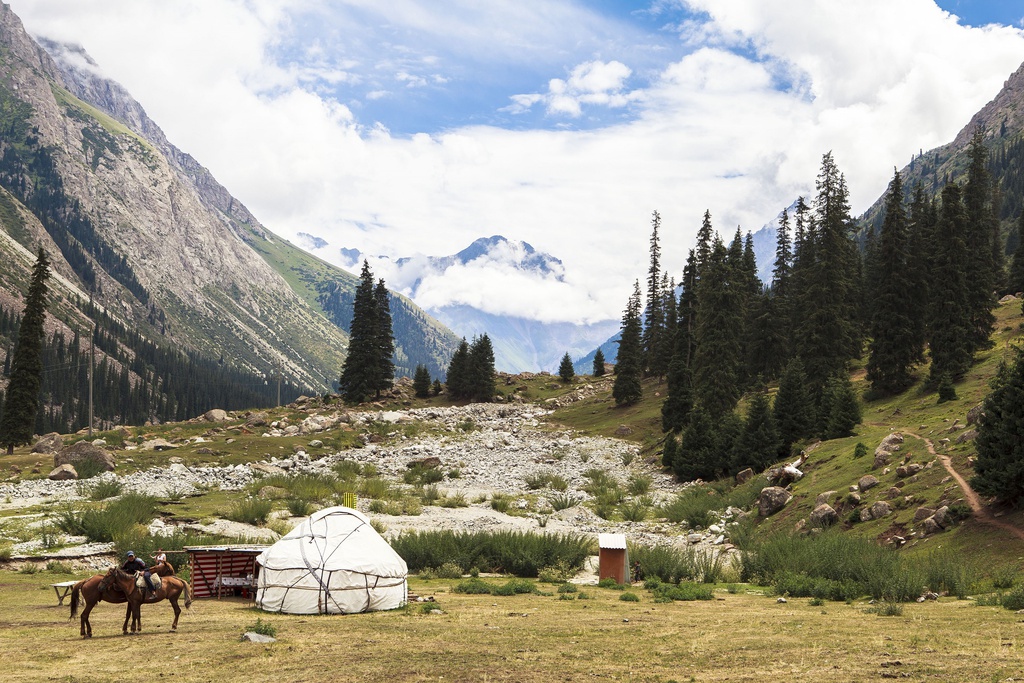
981, 513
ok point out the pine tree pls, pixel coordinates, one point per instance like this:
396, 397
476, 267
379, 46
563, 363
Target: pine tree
21, 399
481, 369
921, 230
628, 388
679, 402
565, 370
794, 407
999, 470
1015, 279
759, 443
654, 314
893, 347
384, 340
949, 316
705, 240
829, 331
421, 381
668, 453
978, 240
599, 363
840, 408
697, 454
718, 358
458, 376
360, 376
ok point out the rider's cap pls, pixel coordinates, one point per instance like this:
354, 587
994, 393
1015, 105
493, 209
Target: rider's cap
131, 554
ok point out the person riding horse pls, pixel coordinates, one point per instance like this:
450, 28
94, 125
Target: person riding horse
133, 565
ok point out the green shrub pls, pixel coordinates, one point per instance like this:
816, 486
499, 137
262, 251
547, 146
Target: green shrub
5, 552
254, 511
104, 489
694, 506
887, 608
298, 507
431, 494
708, 565
515, 587
815, 602
860, 450
1014, 600
472, 586
629, 597
562, 501
262, 627
566, 596
58, 567
634, 511
958, 512
568, 588
1004, 577
950, 572
87, 469
347, 470
638, 484
517, 553
28, 568
683, 592
105, 524
583, 596
609, 582
454, 500
664, 563
449, 570
501, 502
377, 488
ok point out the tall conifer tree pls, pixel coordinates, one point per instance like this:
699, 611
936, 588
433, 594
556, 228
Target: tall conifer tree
457, 380
361, 371
628, 388
893, 348
758, 444
794, 407
481, 369
384, 340
21, 400
718, 358
979, 243
599, 363
654, 315
999, 470
950, 320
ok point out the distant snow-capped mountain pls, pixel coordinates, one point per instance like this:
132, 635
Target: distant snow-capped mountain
455, 288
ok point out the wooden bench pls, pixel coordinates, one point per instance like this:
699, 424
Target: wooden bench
63, 590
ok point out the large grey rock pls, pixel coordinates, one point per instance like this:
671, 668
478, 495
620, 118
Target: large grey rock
880, 509
63, 473
867, 482
253, 637
743, 476
82, 451
975, 413
215, 415
908, 470
941, 516
968, 435
923, 513
257, 420
158, 445
824, 516
930, 526
48, 444
883, 453
772, 499
824, 498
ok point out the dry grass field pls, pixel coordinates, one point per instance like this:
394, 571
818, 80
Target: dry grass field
741, 636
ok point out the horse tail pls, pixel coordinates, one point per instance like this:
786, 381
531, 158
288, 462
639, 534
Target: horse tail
188, 595
74, 600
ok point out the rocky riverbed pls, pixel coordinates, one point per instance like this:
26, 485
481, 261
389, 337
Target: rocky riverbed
483, 449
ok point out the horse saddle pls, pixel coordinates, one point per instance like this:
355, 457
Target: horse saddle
140, 583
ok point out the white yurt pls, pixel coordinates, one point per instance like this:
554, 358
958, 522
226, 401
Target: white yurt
332, 563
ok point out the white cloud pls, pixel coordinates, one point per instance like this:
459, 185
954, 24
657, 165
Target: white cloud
735, 121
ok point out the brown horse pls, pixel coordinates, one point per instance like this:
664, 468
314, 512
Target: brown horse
162, 569
117, 586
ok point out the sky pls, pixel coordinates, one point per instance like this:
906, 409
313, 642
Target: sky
417, 126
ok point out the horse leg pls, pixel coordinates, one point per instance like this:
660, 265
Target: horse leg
127, 613
137, 618
86, 626
177, 611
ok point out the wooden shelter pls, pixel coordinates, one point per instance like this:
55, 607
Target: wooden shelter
613, 558
223, 569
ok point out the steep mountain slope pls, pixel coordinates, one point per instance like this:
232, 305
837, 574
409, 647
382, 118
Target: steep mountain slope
146, 232
1001, 122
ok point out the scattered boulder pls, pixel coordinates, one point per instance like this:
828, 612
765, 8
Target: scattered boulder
853, 498
889, 445
82, 451
215, 415
941, 516
968, 435
63, 473
48, 444
923, 513
158, 445
975, 413
253, 637
429, 463
257, 420
743, 476
880, 509
824, 498
930, 526
623, 430
908, 470
772, 499
824, 515
867, 482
